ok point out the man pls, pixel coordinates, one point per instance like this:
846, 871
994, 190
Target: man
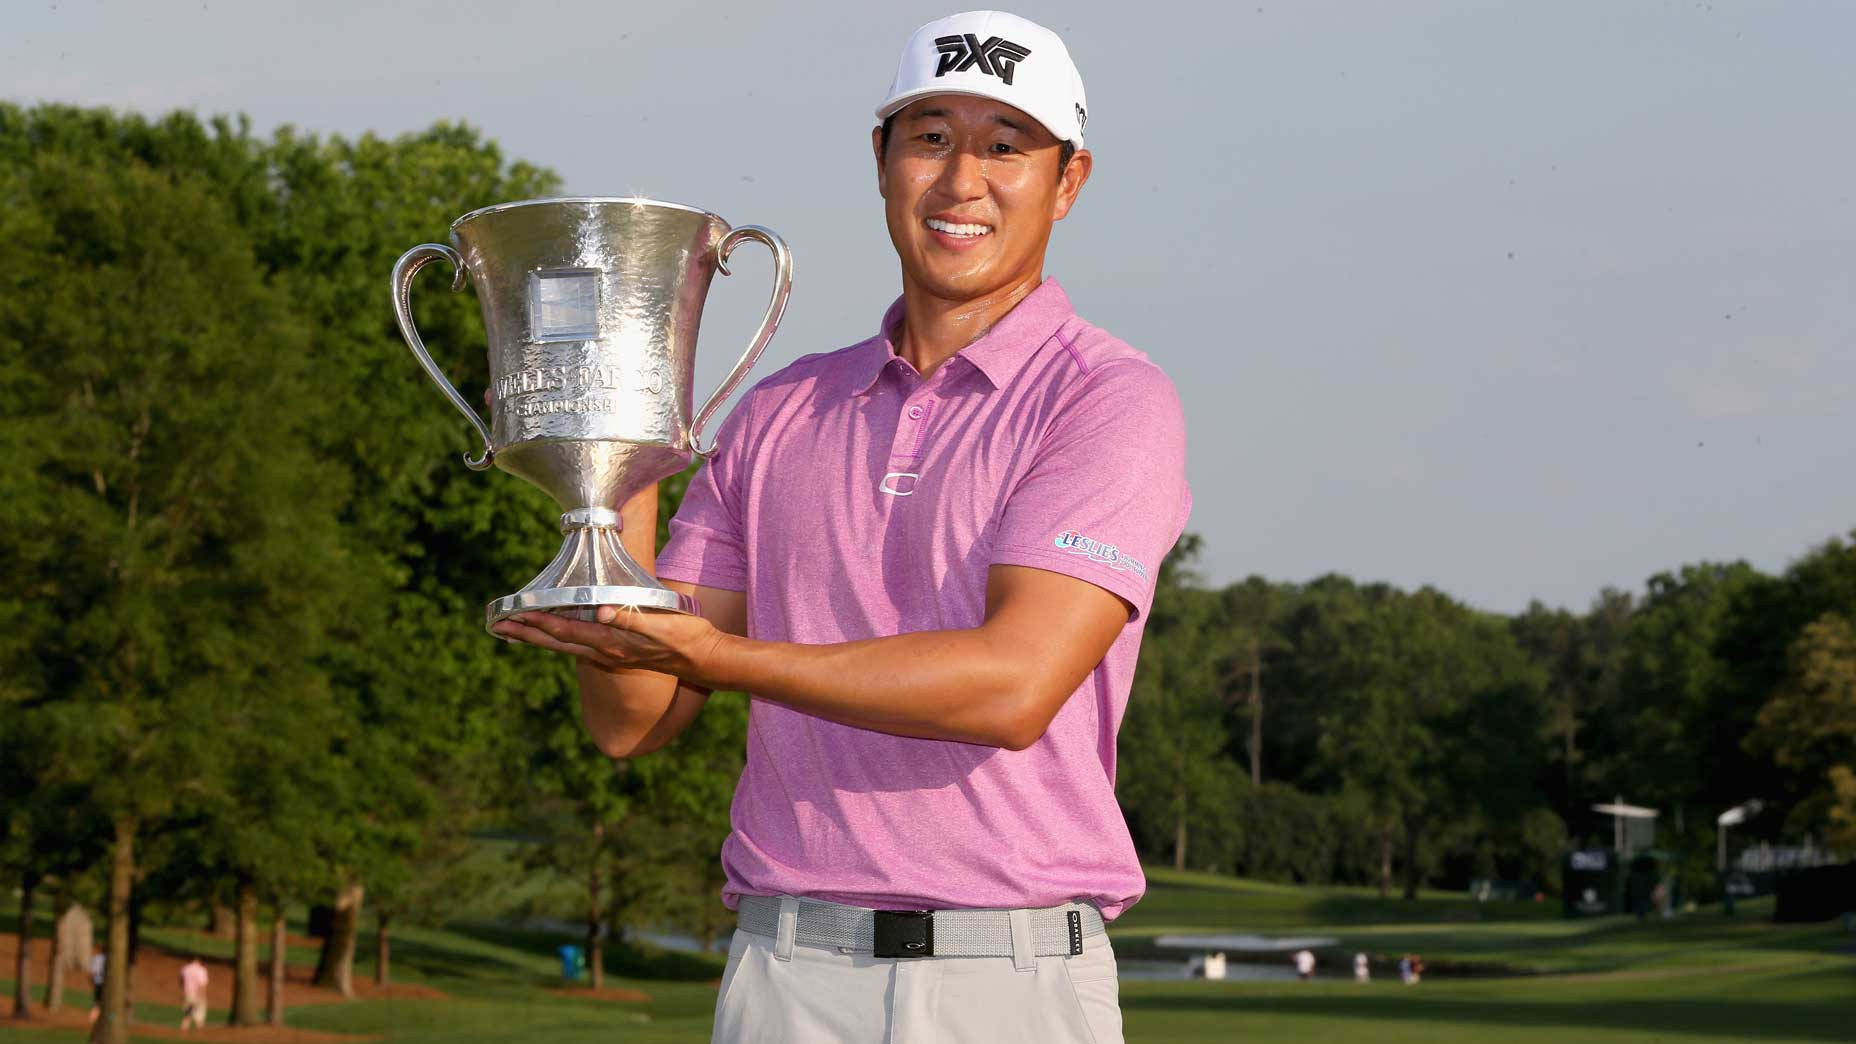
928, 557
193, 980
99, 964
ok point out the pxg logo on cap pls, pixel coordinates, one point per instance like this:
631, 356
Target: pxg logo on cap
996, 57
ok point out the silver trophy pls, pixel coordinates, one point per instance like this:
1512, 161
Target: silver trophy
591, 306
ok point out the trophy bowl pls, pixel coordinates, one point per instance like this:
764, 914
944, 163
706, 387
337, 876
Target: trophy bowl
591, 306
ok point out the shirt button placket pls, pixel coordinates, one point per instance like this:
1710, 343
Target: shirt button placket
905, 450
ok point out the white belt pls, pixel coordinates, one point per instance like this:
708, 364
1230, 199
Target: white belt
1055, 931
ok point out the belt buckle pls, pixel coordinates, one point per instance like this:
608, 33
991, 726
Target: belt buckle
904, 933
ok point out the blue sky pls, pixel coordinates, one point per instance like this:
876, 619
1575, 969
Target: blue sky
1519, 300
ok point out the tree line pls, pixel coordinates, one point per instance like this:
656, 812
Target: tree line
1336, 731
242, 664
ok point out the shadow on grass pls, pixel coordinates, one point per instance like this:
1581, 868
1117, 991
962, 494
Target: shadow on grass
1269, 909
1818, 1019
1618, 943
32, 1033
436, 960
626, 959
644, 961
1350, 909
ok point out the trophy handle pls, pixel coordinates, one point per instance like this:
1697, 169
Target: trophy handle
782, 288
403, 272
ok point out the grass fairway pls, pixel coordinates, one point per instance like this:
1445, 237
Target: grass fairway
1449, 930
1703, 977
1800, 1003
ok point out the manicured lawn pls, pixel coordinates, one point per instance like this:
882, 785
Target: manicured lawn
1446, 929
1697, 978
1811, 1002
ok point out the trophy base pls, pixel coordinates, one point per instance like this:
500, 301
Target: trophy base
591, 570
582, 603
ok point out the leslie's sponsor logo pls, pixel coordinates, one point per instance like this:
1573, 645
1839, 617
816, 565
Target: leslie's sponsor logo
1096, 551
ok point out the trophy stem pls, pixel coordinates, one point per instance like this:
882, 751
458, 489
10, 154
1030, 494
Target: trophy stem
592, 569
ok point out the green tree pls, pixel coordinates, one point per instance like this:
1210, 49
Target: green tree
49, 833
164, 552
579, 801
1808, 727
264, 830
433, 696
1254, 611
1765, 622
1579, 657
1429, 707
1679, 733
1172, 768
670, 870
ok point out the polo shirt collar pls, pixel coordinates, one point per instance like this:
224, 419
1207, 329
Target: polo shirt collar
998, 354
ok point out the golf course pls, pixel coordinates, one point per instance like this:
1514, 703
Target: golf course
1513, 972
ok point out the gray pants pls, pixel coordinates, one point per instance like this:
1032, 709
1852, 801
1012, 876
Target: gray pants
778, 992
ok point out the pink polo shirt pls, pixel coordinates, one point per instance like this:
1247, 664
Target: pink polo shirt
853, 499
193, 979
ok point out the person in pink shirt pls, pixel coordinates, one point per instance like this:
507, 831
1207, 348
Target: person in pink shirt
193, 979
928, 557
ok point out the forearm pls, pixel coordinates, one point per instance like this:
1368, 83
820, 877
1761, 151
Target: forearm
628, 712
998, 684
949, 685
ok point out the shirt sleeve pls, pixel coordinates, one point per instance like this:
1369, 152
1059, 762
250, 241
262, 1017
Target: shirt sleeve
1105, 496
707, 545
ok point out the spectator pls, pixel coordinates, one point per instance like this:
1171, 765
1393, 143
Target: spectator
193, 979
99, 962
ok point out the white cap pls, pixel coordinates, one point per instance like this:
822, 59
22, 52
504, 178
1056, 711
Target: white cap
992, 54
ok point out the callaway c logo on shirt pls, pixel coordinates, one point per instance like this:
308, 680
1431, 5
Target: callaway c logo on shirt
996, 57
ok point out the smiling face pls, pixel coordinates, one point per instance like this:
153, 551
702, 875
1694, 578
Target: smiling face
970, 188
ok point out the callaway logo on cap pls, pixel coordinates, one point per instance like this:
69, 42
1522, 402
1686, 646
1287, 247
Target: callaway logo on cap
994, 55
